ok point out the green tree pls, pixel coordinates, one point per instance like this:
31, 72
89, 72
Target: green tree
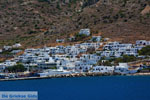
125, 58
145, 51
16, 68
79, 37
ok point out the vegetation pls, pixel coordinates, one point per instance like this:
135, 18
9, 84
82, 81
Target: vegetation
104, 63
16, 68
145, 51
80, 37
94, 39
52, 67
125, 59
8, 52
115, 61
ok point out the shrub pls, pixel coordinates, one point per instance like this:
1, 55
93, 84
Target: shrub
16, 68
145, 51
125, 58
79, 37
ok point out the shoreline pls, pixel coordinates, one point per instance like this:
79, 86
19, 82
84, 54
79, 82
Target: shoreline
141, 74
75, 75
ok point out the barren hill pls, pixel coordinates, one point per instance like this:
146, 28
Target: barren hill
39, 22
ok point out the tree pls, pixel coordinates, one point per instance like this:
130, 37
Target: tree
79, 37
145, 51
125, 58
104, 63
107, 63
16, 68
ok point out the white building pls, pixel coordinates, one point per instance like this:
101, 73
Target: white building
85, 32
116, 49
90, 58
15, 51
83, 67
7, 63
103, 69
7, 47
66, 64
60, 40
122, 68
50, 72
2, 67
16, 45
96, 38
142, 42
108, 53
49, 63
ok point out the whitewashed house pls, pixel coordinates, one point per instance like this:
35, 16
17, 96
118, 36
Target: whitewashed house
118, 54
66, 64
72, 50
142, 42
106, 39
85, 32
16, 45
59, 57
7, 47
49, 72
28, 58
139, 47
122, 68
9, 63
15, 51
53, 50
111, 45
131, 53
46, 63
103, 69
86, 62
82, 66
90, 58
2, 67
72, 38
60, 40
96, 38
90, 45
108, 54
116, 49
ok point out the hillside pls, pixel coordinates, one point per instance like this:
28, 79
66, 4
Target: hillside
39, 22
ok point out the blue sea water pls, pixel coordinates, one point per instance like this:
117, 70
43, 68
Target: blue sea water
85, 88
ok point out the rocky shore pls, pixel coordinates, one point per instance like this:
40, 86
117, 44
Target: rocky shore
62, 76
142, 74
75, 75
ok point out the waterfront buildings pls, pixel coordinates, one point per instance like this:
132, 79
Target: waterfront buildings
77, 57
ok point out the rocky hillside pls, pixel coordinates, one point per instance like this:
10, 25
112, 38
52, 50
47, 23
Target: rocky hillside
39, 22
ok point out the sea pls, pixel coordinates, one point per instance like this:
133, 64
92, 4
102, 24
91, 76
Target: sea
85, 88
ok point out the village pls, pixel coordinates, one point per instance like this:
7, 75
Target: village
98, 55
